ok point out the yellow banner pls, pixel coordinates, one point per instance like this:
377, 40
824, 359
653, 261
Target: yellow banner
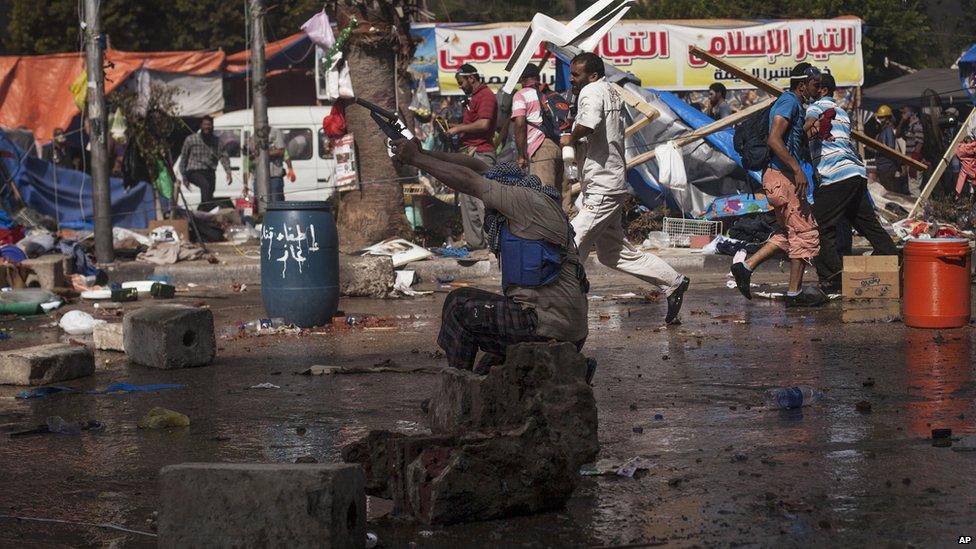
657, 52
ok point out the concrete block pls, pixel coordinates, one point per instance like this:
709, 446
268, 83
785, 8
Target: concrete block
170, 336
505, 444
365, 276
45, 364
49, 270
262, 505
108, 337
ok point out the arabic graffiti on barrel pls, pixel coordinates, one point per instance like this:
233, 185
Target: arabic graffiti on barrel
297, 246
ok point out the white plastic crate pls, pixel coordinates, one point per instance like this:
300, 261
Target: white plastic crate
680, 230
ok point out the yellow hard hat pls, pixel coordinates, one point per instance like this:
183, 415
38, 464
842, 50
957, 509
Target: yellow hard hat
883, 110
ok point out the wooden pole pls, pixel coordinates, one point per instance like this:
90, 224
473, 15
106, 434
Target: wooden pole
98, 142
705, 131
643, 107
259, 107
771, 89
940, 168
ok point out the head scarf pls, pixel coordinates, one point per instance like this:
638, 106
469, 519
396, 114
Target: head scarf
510, 174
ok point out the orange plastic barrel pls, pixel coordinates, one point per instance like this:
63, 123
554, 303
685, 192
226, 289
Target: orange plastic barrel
937, 279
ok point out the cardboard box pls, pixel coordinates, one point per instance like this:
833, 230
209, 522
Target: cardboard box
871, 277
182, 226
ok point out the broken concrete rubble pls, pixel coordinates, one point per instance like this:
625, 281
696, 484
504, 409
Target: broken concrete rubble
505, 444
262, 505
170, 336
365, 276
44, 364
108, 337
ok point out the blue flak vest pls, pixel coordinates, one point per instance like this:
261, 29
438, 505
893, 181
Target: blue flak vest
528, 263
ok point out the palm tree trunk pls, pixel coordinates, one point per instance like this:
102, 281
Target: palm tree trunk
375, 211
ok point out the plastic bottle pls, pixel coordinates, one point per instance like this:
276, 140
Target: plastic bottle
569, 163
786, 398
262, 324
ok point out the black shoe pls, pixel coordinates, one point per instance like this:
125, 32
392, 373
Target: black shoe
590, 370
812, 297
830, 285
743, 278
675, 299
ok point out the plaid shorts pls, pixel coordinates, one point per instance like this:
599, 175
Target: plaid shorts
474, 320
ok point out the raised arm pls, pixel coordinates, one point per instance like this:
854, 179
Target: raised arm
455, 175
778, 147
459, 159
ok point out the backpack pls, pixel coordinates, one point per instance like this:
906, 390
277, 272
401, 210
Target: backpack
750, 140
555, 113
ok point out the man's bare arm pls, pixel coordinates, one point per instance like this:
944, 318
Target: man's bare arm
460, 159
456, 176
808, 127
521, 137
480, 125
778, 146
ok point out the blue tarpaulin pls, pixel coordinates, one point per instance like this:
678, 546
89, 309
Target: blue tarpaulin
66, 195
721, 140
967, 72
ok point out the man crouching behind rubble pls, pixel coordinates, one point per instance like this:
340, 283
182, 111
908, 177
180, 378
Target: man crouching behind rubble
542, 278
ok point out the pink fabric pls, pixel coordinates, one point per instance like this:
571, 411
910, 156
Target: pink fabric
966, 152
526, 103
798, 235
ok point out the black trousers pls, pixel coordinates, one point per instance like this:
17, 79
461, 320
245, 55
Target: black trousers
206, 180
846, 200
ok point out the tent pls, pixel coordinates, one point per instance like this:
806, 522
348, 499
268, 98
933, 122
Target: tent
66, 195
907, 90
35, 94
713, 167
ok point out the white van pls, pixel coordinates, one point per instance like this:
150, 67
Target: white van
302, 129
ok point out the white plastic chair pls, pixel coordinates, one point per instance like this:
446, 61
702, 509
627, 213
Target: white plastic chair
578, 32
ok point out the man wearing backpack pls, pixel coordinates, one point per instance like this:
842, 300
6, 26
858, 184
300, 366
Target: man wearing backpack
535, 144
843, 189
785, 184
599, 130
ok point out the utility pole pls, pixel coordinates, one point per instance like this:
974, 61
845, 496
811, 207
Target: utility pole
259, 104
98, 122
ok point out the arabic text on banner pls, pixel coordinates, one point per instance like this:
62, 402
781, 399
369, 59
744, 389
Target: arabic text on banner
657, 53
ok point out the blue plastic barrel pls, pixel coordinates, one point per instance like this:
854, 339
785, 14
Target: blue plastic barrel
300, 263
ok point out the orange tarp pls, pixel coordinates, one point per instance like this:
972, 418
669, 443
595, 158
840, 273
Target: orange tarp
237, 62
34, 88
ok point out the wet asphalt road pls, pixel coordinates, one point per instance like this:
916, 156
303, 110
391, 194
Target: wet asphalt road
723, 471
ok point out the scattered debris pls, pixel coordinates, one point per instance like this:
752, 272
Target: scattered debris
382, 367
264, 386
161, 418
113, 389
863, 406
629, 468
79, 323
58, 425
401, 251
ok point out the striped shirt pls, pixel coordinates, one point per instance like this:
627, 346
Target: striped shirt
834, 157
526, 102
